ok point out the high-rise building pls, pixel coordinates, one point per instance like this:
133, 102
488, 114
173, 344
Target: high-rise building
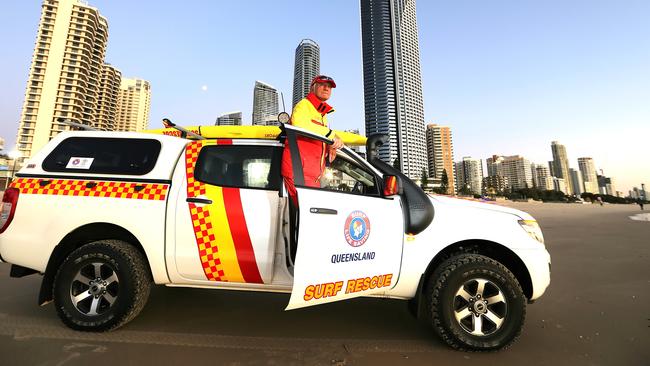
133, 104
577, 182
306, 67
229, 119
65, 72
551, 168
495, 184
392, 82
559, 185
109, 91
561, 165
440, 154
469, 174
544, 178
493, 163
606, 185
517, 169
533, 172
265, 104
588, 170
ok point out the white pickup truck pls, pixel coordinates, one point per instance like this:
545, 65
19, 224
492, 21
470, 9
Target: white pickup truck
104, 215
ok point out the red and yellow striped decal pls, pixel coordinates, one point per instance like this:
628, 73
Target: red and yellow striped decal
222, 237
88, 188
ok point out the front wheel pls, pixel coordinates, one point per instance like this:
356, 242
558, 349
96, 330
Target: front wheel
476, 303
101, 286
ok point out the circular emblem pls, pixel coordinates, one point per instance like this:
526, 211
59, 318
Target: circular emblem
76, 162
357, 228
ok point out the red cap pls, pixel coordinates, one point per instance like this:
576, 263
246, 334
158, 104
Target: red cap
323, 79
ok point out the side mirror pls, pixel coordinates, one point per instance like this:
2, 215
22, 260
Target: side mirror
391, 185
283, 117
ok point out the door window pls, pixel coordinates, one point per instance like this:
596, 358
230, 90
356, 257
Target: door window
345, 175
240, 166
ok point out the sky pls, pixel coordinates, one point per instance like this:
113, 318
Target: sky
508, 77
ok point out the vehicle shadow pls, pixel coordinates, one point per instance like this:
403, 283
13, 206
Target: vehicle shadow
251, 314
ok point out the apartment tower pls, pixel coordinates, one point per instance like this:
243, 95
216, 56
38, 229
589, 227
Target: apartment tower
265, 104
392, 83
440, 154
577, 182
65, 73
469, 174
229, 119
544, 178
306, 68
561, 165
109, 91
589, 175
133, 105
516, 169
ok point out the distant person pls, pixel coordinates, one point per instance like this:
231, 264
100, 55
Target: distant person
599, 200
640, 203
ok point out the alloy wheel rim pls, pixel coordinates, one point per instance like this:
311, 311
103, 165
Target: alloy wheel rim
480, 307
94, 289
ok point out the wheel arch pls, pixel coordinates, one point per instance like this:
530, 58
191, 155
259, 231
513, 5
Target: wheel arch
77, 238
490, 249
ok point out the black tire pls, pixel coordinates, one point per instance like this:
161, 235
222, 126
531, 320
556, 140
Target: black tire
469, 320
110, 281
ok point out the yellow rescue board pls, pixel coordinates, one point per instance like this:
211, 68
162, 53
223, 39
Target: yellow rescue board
250, 132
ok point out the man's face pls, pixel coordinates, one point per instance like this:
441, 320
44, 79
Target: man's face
323, 91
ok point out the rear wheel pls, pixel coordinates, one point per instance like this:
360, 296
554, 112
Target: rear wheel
101, 286
476, 303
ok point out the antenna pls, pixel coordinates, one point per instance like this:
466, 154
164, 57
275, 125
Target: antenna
283, 108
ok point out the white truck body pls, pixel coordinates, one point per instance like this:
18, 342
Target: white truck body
196, 234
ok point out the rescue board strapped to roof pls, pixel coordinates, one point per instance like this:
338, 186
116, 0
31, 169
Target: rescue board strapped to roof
249, 132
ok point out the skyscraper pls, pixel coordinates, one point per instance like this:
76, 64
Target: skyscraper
517, 170
561, 165
229, 119
544, 178
133, 104
588, 170
577, 182
306, 68
440, 154
265, 104
392, 82
65, 73
469, 173
493, 165
109, 91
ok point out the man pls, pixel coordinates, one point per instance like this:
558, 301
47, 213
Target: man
311, 114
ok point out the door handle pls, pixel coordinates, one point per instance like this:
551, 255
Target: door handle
324, 211
198, 200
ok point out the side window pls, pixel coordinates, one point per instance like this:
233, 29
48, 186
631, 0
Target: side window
345, 175
103, 156
241, 166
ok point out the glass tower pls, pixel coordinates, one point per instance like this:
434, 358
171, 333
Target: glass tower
305, 69
392, 82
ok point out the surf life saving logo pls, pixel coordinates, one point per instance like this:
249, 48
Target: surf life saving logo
357, 228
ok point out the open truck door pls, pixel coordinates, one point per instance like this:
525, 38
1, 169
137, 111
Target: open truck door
350, 234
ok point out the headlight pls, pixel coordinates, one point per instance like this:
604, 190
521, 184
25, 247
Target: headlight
533, 229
